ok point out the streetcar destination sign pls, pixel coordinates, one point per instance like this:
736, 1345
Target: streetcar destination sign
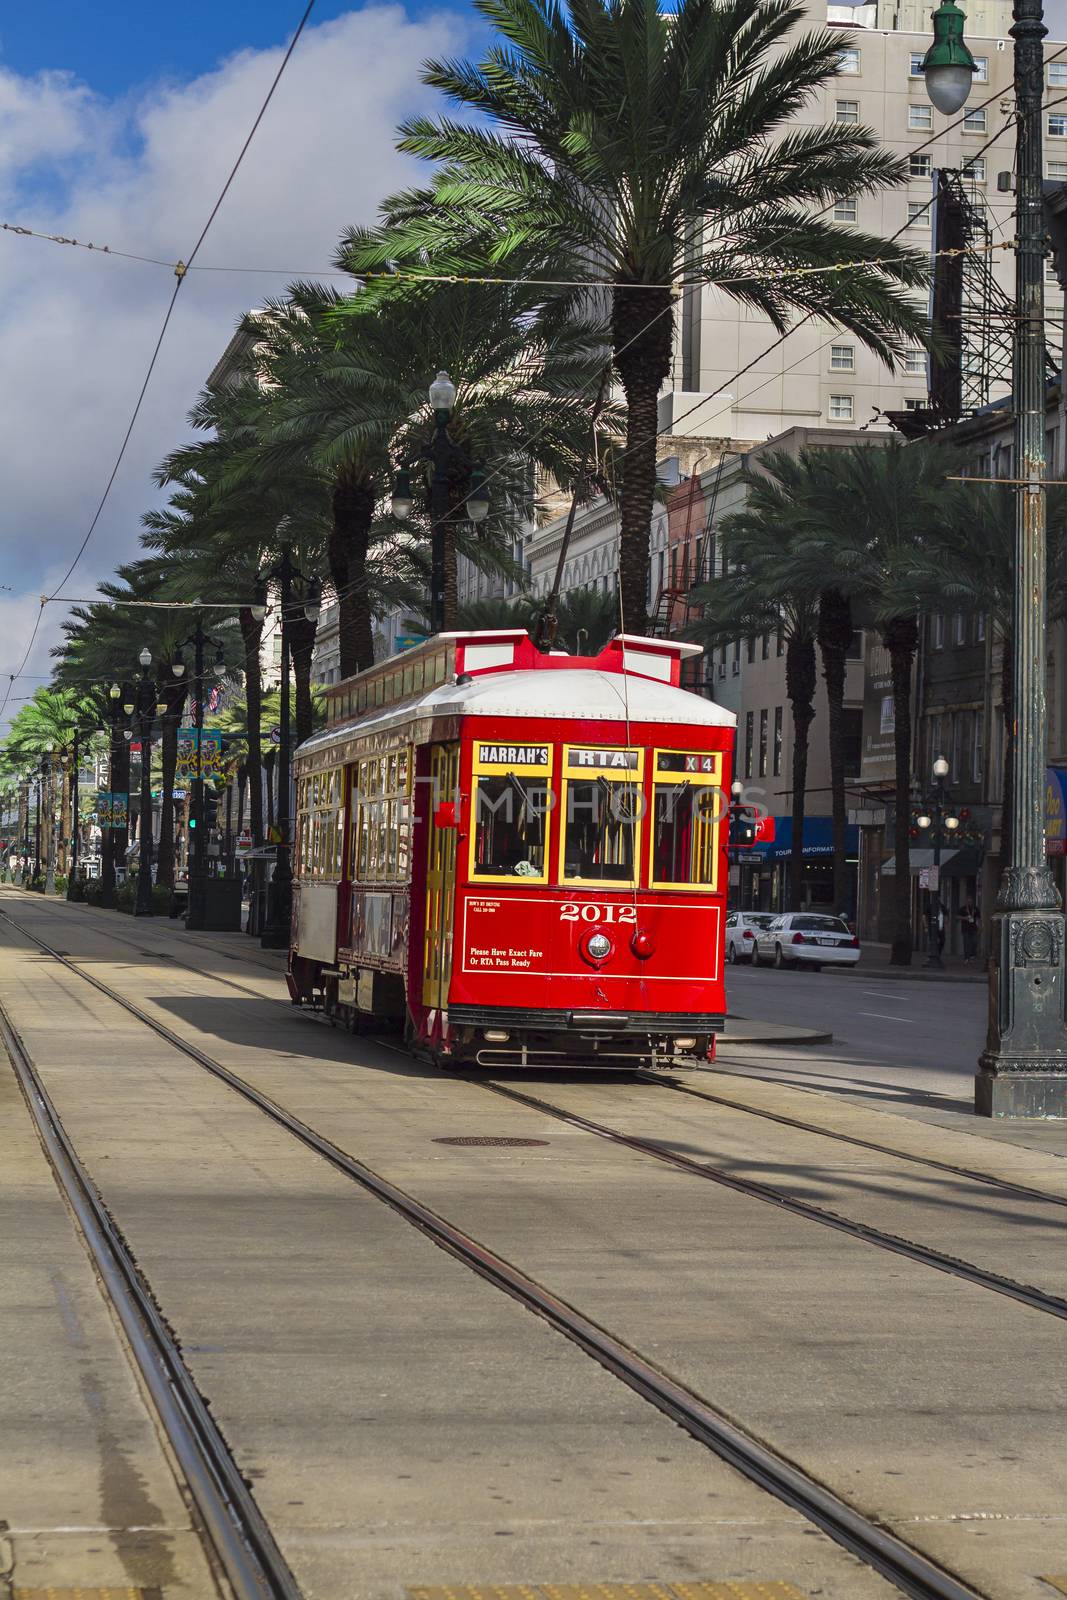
513, 755
612, 760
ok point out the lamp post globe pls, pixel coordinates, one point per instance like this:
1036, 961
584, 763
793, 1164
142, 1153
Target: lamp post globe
442, 393
940, 767
948, 65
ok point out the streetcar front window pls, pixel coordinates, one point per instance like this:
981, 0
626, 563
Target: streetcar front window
600, 839
510, 826
684, 834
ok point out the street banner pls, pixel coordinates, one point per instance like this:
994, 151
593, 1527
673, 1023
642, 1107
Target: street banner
110, 809
211, 764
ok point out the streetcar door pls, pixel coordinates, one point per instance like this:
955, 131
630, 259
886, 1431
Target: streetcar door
440, 878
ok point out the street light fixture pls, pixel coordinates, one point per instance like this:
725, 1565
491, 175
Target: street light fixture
941, 823
1023, 1069
442, 454
948, 65
146, 707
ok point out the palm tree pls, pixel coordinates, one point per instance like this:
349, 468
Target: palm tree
352, 376
756, 599
615, 143
872, 511
782, 498
47, 725
968, 565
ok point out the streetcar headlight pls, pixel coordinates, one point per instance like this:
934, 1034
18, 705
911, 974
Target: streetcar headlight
497, 1035
598, 947
685, 1044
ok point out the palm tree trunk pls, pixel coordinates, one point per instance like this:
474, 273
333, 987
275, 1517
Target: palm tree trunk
901, 639
800, 679
268, 769
835, 636
346, 552
301, 635
642, 328
242, 790
251, 639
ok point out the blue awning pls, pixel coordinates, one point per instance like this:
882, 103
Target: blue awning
818, 839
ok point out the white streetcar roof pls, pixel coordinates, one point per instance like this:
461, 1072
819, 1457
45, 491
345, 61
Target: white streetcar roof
583, 692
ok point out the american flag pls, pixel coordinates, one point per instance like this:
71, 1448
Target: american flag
213, 699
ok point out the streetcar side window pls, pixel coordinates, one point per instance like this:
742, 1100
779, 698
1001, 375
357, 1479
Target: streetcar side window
381, 818
320, 825
603, 805
687, 809
511, 804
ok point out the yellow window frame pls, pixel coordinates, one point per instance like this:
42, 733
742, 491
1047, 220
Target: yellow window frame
501, 769
708, 780
577, 774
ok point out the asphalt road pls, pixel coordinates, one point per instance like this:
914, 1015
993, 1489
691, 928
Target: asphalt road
912, 1044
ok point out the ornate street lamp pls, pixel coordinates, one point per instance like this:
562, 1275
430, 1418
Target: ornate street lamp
146, 709
441, 453
941, 823
1023, 1069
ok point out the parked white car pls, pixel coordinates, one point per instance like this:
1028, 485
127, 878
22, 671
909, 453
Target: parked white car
741, 930
808, 939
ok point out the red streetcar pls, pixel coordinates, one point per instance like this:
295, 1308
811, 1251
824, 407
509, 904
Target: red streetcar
520, 857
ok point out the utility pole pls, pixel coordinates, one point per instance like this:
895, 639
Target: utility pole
275, 935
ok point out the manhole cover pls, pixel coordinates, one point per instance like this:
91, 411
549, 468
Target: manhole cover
482, 1138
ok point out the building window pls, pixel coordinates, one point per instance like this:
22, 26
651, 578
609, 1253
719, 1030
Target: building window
938, 630
959, 628
981, 65
777, 753
915, 363
750, 649
1057, 125
913, 404
765, 647
780, 643
915, 67
979, 628
920, 116
750, 724
920, 166
763, 744
1057, 169
976, 754
846, 210
1057, 74
918, 213
848, 61
841, 408
847, 111
974, 122
842, 358
975, 170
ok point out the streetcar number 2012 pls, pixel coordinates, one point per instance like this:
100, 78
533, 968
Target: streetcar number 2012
570, 912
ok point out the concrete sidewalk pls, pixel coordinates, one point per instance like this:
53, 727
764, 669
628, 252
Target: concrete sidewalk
875, 962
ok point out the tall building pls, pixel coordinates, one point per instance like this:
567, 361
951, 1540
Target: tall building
732, 379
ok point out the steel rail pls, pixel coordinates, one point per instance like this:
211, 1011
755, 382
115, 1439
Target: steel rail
1033, 1298
1007, 1185
884, 1552
234, 1524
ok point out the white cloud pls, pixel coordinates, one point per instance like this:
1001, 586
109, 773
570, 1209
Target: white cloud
76, 330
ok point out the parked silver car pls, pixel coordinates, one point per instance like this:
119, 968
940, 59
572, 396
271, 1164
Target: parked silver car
741, 930
806, 938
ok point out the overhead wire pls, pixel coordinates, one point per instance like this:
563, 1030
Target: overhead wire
181, 269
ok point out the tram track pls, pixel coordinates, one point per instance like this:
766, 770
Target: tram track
231, 1521
883, 1551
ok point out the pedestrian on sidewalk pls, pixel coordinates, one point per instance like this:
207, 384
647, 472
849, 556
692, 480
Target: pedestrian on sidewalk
935, 927
969, 926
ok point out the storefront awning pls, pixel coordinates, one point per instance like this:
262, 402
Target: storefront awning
818, 840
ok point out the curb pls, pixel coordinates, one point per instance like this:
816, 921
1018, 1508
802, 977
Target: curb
750, 1033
